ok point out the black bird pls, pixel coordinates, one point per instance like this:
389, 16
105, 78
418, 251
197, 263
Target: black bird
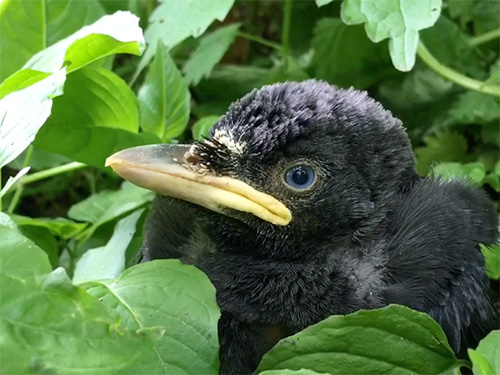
304, 202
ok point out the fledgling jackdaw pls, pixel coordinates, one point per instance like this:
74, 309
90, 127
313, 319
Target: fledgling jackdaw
304, 202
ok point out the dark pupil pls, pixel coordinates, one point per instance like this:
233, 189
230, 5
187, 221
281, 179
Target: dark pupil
300, 176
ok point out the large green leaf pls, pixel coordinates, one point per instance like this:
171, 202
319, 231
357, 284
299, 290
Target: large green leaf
96, 116
391, 340
116, 33
65, 17
30, 26
174, 21
292, 372
22, 113
107, 205
486, 357
460, 54
491, 255
202, 127
164, 98
398, 20
344, 56
440, 147
20, 80
21, 33
44, 239
108, 262
171, 294
61, 227
211, 49
44, 316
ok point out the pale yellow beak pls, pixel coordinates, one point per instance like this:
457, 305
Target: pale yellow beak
161, 168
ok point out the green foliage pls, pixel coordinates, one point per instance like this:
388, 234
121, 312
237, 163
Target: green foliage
486, 358
398, 20
164, 98
73, 89
394, 339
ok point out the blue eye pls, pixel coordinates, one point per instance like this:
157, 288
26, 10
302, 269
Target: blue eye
300, 177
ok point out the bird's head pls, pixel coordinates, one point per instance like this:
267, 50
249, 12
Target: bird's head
286, 164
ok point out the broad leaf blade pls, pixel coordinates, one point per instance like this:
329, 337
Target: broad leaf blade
22, 114
96, 116
489, 350
344, 56
61, 227
106, 205
108, 262
391, 340
178, 296
21, 33
42, 316
174, 21
164, 98
202, 127
398, 20
20, 80
209, 52
120, 27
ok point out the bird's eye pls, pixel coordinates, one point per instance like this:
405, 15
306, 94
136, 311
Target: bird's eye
300, 177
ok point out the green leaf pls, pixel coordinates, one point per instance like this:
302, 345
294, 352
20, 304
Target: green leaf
226, 84
43, 238
6, 221
96, 116
489, 350
20, 80
107, 205
108, 262
418, 87
174, 21
476, 108
202, 127
440, 147
42, 316
23, 112
320, 3
61, 227
481, 366
358, 61
292, 372
64, 18
178, 296
287, 69
460, 55
12, 180
164, 98
21, 33
97, 46
209, 52
473, 173
120, 33
398, 20
391, 340
491, 255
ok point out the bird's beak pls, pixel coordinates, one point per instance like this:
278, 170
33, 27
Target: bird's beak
164, 169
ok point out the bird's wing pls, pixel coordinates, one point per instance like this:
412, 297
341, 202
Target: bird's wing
434, 261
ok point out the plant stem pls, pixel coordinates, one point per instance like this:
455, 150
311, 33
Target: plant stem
486, 37
19, 188
260, 40
285, 28
51, 172
453, 75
